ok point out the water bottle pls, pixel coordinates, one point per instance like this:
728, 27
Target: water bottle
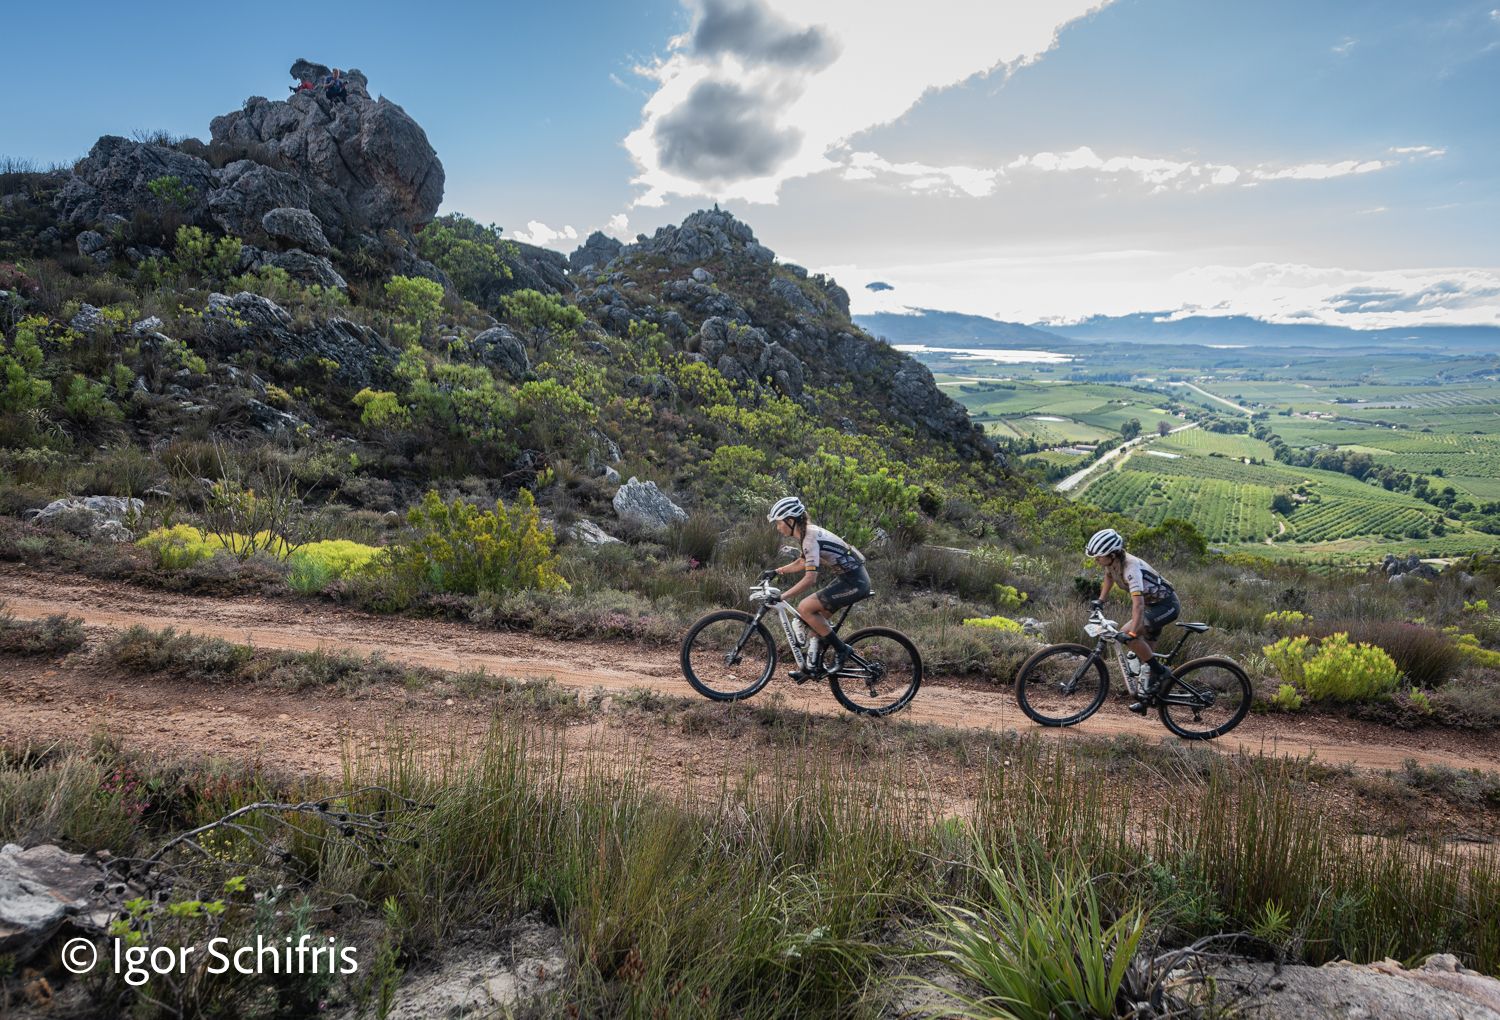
1132, 665
799, 630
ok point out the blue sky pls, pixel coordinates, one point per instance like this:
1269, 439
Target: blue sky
1049, 160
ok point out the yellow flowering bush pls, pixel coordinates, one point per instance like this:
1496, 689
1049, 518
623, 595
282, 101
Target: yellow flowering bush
1340, 670
1002, 623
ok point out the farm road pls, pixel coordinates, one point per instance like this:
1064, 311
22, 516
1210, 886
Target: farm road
34, 711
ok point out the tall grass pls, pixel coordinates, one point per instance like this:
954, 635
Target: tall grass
790, 886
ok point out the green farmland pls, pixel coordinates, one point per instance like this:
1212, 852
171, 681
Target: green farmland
1427, 429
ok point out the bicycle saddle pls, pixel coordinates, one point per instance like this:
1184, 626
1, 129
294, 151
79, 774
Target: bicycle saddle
1197, 628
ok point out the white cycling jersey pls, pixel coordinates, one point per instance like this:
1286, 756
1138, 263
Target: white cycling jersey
822, 548
1141, 579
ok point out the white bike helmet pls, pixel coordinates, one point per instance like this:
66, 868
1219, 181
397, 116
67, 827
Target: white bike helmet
1104, 542
787, 506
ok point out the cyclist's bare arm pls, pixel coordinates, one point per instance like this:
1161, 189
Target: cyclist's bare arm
1104, 589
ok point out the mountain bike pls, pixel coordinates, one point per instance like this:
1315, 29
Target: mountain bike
730, 656
1062, 685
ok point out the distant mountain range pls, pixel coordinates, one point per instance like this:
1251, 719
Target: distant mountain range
954, 329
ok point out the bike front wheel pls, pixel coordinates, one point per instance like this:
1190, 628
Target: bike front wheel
881, 675
728, 656
1062, 685
1206, 699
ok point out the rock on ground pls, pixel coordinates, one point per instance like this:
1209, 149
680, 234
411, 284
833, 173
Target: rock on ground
98, 517
41, 889
1440, 989
644, 505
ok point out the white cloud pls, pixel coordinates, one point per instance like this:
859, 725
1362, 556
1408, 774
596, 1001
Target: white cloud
619, 227
538, 233
1343, 48
1322, 171
1068, 287
1160, 174
1419, 150
760, 91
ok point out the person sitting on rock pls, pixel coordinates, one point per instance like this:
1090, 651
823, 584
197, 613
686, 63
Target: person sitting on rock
306, 85
336, 87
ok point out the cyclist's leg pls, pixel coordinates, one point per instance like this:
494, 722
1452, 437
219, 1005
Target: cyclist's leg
814, 614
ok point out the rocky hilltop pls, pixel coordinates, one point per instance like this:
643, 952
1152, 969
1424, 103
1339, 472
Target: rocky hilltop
289, 281
304, 177
726, 300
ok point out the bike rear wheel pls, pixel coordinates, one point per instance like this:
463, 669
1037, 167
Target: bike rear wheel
882, 674
1207, 698
1062, 685
728, 655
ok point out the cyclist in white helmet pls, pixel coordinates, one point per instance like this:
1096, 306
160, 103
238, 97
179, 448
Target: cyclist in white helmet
1153, 601
820, 548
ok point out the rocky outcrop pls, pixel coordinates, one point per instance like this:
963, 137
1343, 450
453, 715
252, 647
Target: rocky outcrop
309, 268
1407, 568
540, 269
367, 163
248, 321
747, 354
596, 253
115, 178
645, 506
360, 167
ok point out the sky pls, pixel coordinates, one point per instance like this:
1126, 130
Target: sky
1031, 160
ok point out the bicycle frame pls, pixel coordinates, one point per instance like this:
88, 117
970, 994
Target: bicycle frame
786, 614
1106, 630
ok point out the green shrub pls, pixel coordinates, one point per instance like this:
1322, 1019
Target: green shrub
1008, 596
1420, 701
1477, 606
380, 408
459, 548
1286, 699
179, 546
88, 403
200, 255
21, 387
418, 301
472, 256
1288, 656
1344, 671
536, 310
1283, 619
315, 564
170, 191
1468, 645
852, 502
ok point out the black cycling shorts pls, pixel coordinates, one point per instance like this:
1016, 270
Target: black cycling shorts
1157, 615
845, 589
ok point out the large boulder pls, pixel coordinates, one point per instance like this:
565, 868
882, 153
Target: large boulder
248, 191
499, 348
1440, 989
298, 227
368, 164
115, 179
103, 518
309, 268
645, 506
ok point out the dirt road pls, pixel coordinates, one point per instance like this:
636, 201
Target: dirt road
223, 720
